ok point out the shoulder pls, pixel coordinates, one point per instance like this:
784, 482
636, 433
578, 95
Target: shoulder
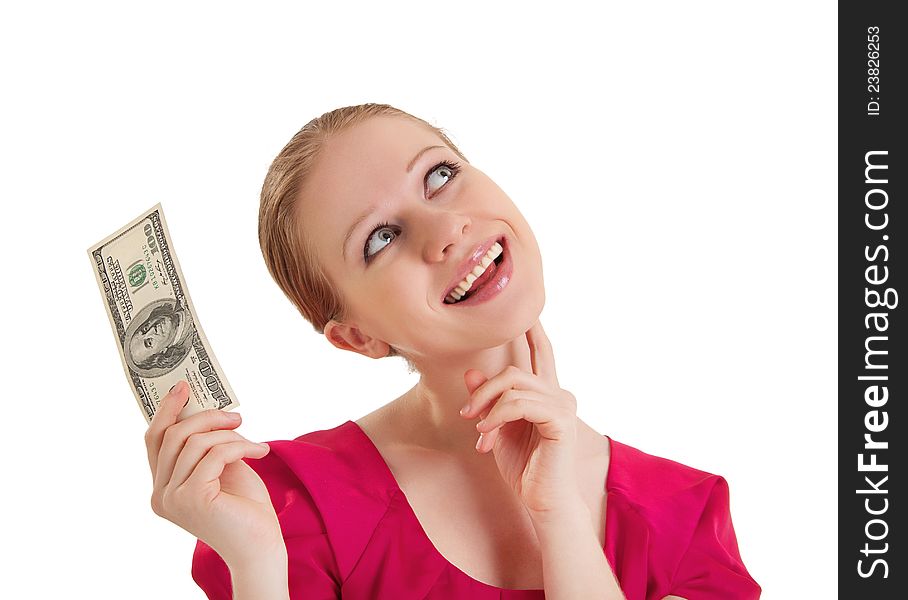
654, 484
327, 462
668, 496
328, 497
327, 481
686, 516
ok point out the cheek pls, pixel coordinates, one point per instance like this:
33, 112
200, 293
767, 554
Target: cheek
398, 306
407, 282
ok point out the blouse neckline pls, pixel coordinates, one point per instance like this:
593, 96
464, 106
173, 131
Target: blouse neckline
353, 425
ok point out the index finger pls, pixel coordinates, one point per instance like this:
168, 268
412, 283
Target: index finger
166, 415
541, 356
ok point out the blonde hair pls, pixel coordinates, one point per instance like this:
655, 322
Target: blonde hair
289, 253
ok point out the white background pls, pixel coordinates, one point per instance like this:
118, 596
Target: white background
675, 160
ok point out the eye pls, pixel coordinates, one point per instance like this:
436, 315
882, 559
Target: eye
385, 233
444, 170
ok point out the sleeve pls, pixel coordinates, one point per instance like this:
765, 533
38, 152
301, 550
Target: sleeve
210, 572
310, 576
711, 568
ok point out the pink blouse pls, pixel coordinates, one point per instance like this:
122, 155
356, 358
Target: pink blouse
350, 532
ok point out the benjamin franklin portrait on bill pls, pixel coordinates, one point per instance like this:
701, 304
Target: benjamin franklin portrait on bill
158, 338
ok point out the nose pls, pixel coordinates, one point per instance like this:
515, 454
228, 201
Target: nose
442, 231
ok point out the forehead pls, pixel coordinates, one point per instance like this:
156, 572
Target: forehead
361, 167
372, 147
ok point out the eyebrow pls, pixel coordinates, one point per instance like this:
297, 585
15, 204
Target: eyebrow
369, 211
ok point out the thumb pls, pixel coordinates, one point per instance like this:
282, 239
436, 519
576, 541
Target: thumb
473, 378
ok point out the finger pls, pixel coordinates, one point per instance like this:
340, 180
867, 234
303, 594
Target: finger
165, 416
514, 403
528, 406
212, 465
196, 447
176, 435
541, 355
510, 377
482, 415
487, 439
473, 378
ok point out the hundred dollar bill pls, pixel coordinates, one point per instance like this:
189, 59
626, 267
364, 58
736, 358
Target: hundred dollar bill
155, 324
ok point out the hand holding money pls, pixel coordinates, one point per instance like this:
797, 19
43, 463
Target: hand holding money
202, 484
200, 481
153, 319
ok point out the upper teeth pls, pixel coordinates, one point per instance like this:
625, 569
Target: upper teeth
464, 286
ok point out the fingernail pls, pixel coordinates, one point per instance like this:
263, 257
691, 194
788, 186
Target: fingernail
464, 410
479, 442
170, 391
263, 445
233, 416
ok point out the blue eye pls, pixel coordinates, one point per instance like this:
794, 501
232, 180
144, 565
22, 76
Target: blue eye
382, 229
388, 232
445, 169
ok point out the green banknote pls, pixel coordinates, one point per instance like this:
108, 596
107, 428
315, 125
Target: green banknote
153, 319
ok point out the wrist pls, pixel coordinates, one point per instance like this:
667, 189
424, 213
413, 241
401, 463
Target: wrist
258, 551
265, 577
264, 558
568, 512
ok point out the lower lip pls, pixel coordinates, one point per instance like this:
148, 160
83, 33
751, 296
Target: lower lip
498, 282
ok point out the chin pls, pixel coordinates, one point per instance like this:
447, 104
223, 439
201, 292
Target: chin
534, 309
525, 314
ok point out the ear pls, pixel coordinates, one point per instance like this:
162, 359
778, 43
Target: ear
350, 337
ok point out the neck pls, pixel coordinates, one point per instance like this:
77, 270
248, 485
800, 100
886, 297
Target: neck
430, 411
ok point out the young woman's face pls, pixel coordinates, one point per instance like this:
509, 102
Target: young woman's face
394, 278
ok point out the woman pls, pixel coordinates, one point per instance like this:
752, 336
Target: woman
480, 481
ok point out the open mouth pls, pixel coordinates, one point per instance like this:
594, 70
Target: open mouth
476, 283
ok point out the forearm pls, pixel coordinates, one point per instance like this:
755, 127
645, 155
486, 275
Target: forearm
265, 580
573, 563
